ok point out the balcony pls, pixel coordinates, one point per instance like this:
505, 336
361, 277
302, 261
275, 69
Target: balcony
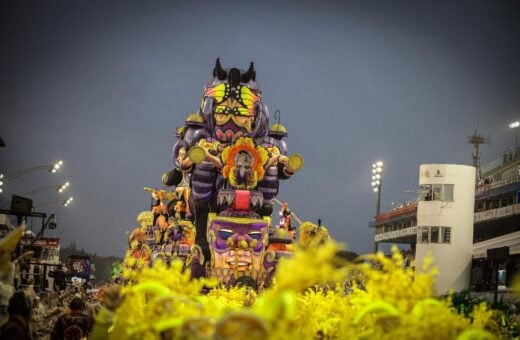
396, 234
484, 189
492, 214
511, 240
397, 212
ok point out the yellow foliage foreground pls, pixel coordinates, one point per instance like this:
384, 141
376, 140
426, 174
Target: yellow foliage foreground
316, 295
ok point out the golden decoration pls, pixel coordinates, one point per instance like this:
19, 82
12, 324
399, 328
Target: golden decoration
295, 162
197, 154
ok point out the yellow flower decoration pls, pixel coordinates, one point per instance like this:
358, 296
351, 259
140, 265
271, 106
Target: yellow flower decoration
312, 235
315, 294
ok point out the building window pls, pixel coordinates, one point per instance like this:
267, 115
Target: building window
447, 192
446, 235
424, 235
437, 192
435, 234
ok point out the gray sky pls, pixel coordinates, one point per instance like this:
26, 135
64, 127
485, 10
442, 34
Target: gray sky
103, 85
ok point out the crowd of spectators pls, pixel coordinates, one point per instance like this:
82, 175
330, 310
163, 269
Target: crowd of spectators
65, 311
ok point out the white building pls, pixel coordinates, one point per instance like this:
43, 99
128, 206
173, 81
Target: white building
445, 214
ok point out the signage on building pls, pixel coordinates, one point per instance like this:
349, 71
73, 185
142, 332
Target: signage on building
45, 250
49, 242
432, 172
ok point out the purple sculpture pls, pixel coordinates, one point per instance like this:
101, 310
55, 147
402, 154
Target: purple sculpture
232, 163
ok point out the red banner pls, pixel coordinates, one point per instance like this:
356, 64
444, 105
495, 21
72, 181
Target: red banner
387, 215
48, 242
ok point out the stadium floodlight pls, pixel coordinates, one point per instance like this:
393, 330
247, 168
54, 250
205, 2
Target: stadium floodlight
377, 179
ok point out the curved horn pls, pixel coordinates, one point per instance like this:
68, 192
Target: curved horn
261, 122
250, 74
218, 71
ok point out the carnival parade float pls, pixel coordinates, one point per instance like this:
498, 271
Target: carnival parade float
210, 261
227, 164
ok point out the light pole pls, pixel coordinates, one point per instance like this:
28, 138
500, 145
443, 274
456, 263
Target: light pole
65, 203
515, 126
60, 188
377, 180
52, 168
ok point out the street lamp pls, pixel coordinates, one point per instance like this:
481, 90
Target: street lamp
59, 188
515, 126
63, 187
52, 168
56, 166
66, 203
377, 180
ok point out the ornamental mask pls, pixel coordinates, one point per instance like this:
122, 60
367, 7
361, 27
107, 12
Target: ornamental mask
244, 163
237, 243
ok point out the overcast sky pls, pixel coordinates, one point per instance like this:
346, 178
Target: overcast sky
104, 84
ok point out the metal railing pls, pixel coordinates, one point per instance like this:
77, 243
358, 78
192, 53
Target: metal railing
484, 169
504, 181
395, 234
492, 214
387, 215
